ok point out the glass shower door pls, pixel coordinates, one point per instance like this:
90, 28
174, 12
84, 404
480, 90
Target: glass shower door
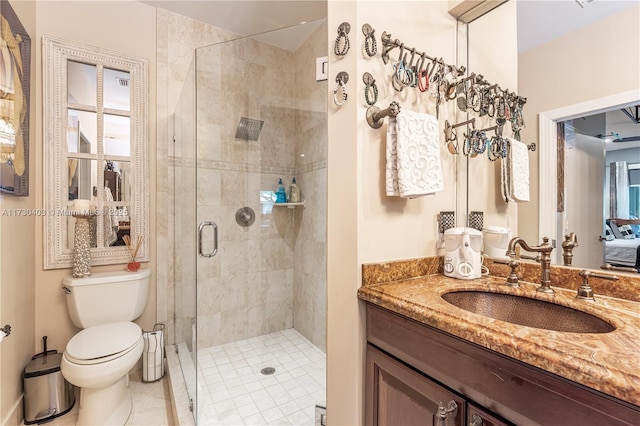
182, 158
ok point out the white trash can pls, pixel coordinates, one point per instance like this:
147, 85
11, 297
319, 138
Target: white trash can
153, 354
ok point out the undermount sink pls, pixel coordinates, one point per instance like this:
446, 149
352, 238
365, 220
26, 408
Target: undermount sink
527, 312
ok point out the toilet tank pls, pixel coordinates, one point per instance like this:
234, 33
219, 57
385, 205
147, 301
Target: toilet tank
107, 297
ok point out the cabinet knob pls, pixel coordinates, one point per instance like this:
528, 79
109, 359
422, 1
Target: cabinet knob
476, 420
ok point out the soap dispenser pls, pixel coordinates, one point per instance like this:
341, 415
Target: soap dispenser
281, 194
294, 192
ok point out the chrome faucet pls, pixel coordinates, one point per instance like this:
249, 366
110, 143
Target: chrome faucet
570, 242
545, 260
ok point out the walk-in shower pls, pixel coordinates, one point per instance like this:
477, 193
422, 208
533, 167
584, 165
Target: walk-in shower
250, 322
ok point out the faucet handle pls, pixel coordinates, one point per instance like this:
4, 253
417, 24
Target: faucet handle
570, 242
585, 292
512, 278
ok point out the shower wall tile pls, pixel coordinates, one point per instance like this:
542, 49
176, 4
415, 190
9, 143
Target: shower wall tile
232, 325
234, 183
208, 329
276, 254
309, 301
255, 290
234, 259
177, 36
256, 325
231, 292
209, 296
278, 288
209, 147
209, 187
256, 266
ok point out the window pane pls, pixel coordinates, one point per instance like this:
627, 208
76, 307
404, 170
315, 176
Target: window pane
82, 132
116, 136
81, 83
117, 176
116, 89
83, 178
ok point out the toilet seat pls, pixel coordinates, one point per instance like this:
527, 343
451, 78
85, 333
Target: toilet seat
103, 343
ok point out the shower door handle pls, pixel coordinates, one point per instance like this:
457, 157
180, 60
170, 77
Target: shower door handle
215, 239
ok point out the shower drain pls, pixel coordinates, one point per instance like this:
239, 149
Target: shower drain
268, 370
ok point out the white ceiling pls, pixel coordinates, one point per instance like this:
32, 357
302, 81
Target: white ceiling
249, 17
540, 21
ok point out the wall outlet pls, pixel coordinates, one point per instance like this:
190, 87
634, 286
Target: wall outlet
322, 68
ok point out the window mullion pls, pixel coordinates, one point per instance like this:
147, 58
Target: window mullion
100, 146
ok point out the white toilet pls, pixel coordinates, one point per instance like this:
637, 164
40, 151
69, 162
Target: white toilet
98, 359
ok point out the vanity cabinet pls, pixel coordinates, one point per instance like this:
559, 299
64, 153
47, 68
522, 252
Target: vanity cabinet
412, 367
399, 395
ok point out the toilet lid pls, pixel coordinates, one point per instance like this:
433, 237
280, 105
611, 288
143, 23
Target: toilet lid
103, 340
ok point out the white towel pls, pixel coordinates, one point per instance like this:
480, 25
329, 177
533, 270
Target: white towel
515, 172
519, 171
413, 155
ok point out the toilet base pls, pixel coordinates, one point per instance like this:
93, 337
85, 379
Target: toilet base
109, 405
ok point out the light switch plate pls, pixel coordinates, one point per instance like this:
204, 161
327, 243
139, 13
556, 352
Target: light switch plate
322, 65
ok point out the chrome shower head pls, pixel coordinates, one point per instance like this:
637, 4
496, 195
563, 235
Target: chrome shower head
249, 129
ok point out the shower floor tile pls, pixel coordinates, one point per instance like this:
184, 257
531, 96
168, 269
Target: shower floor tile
233, 391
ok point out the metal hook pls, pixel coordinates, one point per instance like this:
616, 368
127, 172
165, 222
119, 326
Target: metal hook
401, 52
368, 79
413, 54
421, 64
342, 77
388, 46
344, 28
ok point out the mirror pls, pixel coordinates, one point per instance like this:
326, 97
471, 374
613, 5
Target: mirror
99, 158
15, 75
559, 45
607, 146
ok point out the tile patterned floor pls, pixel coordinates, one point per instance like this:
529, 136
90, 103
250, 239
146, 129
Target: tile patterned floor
232, 390
151, 405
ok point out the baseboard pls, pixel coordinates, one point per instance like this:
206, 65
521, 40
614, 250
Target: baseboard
16, 415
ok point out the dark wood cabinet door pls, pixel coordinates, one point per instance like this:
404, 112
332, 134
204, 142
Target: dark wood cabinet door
477, 416
398, 395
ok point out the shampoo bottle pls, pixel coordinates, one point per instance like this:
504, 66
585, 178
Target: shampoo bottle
294, 192
281, 194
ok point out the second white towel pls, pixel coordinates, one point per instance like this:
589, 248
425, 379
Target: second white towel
413, 155
515, 172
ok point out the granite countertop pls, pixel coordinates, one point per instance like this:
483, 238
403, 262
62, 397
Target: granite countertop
607, 362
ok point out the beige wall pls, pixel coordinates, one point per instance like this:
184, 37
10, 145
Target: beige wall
596, 61
17, 263
363, 224
345, 329
32, 300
